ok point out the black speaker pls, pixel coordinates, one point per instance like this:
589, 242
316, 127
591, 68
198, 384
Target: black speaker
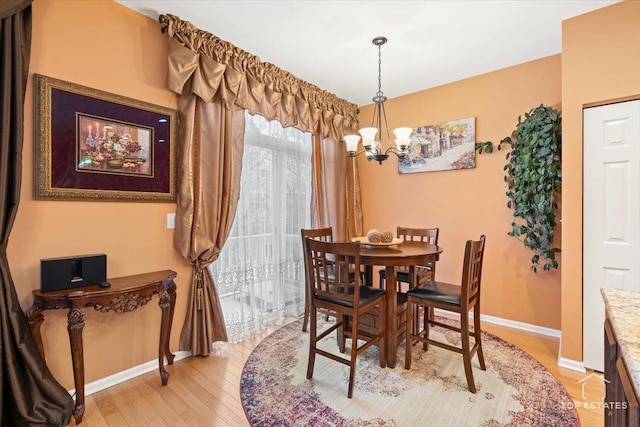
73, 272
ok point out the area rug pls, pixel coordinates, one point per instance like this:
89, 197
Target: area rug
515, 390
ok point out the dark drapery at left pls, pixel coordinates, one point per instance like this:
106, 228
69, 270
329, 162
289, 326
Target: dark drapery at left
30, 395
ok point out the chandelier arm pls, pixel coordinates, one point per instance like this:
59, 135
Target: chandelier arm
364, 150
400, 154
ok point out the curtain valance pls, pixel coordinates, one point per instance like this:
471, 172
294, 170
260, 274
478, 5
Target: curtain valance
216, 70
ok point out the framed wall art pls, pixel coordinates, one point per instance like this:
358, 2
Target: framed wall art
92, 144
447, 146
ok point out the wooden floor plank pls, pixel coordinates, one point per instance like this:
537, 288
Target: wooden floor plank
196, 398
163, 414
211, 393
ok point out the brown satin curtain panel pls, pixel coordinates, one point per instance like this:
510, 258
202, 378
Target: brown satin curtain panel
30, 395
336, 193
216, 81
209, 167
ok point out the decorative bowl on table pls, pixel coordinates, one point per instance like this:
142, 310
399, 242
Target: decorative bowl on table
365, 242
377, 238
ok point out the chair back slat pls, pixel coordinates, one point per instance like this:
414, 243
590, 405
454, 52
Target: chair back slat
424, 235
329, 266
472, 269
325, 234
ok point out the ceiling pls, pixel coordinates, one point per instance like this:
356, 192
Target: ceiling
328, 43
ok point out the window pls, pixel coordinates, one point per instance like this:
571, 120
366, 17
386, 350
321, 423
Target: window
260, 271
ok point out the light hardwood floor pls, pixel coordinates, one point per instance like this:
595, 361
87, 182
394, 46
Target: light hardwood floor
205, 391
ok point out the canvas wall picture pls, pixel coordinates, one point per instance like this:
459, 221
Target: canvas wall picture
445, 146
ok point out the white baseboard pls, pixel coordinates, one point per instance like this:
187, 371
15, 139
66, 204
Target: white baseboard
555, 333
125, 375
509, 323
574, 365
563, 362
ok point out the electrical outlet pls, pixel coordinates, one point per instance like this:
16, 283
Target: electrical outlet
171, 221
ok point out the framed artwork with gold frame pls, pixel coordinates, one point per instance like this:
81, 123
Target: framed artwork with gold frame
96, 145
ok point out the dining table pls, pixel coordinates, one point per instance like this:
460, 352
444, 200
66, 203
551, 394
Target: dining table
407, 253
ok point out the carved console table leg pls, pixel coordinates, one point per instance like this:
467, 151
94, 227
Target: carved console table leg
35, 319
172, 306
165, 302
75, 326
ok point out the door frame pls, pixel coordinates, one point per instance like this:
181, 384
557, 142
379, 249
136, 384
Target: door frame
585, 106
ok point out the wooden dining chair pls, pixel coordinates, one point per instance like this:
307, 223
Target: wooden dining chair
422, 273
347, 298
325, 234
460, 299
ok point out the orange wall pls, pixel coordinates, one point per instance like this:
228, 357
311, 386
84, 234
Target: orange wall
109, 47
465, 204
600, 62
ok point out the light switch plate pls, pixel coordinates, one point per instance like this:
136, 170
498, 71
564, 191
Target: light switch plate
171, 221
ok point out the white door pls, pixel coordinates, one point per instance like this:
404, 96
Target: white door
611, 251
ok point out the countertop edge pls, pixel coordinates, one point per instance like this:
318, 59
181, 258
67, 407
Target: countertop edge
621, 306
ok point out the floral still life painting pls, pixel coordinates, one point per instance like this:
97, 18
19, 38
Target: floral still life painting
113, 147
92, 144
446, 146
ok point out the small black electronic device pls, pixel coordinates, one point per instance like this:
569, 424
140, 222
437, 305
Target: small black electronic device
73, 272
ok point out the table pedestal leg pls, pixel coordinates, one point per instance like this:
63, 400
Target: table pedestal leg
75, 326
368, 275
390, 329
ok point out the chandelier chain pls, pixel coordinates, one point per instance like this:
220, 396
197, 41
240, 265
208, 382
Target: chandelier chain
379, 70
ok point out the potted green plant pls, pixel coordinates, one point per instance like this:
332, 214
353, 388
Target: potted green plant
533, 176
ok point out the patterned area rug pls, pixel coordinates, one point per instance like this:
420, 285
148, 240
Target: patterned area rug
515, 390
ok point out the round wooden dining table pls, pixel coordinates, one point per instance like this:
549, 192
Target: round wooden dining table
410, 254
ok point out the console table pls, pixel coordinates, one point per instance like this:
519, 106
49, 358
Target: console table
125, 294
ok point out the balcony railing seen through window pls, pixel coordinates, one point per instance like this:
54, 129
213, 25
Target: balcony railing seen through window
259, 274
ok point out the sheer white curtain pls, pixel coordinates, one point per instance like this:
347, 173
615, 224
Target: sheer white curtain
259, 273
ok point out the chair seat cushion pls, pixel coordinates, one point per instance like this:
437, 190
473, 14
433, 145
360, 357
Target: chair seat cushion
367, 294
437, 292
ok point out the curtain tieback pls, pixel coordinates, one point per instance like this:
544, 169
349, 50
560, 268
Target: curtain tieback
3, 249
199, 284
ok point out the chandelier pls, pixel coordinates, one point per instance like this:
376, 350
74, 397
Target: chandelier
372, 136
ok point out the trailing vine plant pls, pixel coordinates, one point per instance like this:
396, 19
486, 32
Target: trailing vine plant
533, 176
